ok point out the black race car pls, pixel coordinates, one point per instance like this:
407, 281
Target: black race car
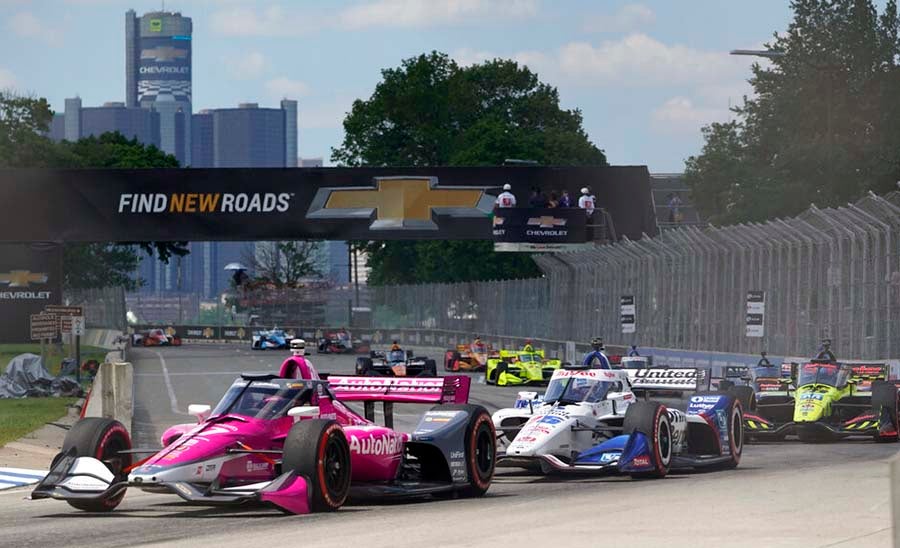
395, 363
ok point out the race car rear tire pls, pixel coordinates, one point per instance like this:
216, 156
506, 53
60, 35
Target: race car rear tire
745, 395
101, 439
317, 449
651, 419
363, 365
451, 361
480, 448
430, 369
725, 386
884, 404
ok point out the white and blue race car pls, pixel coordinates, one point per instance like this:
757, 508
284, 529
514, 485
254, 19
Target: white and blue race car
271, 339
590, 421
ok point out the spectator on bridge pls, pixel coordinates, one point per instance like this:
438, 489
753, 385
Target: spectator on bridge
674, 204
506, 198
553, 201
538, 198
586, 202
565, 200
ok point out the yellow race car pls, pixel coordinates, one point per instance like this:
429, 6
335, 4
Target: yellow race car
515, 367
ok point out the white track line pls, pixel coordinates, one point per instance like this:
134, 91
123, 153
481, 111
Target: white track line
172, 399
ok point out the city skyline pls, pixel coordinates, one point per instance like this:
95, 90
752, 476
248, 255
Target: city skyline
646, 75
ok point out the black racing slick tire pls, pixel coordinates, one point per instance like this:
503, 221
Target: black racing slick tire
317, 449
101, 439
480, 448
745, 395
725, 386
884, 405
735, 413
501, 368
363, 365
651, 419
430, 369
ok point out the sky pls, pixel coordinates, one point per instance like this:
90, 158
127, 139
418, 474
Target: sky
646, 75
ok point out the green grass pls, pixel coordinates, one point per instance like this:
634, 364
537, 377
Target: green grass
20, 417
54, 356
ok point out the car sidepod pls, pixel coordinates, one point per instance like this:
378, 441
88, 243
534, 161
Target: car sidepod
714, 435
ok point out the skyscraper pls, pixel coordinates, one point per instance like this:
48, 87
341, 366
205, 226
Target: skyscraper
158, 74
289, 107
246, 136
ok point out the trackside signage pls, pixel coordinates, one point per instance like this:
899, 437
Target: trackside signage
315, 203
30, 280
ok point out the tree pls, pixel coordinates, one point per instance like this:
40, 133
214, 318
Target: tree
24, 123
284, 264
822, 125
432, 112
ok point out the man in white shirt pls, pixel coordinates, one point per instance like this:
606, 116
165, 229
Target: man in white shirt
506, 198
586, 202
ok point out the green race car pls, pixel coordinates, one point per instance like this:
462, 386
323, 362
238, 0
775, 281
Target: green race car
831, 401
515, 367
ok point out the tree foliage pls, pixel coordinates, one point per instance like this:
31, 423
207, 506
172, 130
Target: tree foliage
285, 263
822, 126
24, 123
432, 112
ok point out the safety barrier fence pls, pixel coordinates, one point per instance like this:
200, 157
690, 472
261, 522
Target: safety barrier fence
827, 273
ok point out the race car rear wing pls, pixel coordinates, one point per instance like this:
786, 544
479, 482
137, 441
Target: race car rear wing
666, 379
449, 389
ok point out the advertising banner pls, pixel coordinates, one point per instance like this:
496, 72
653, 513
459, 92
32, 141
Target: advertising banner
316, 203
540, 225
756, 311
30, 279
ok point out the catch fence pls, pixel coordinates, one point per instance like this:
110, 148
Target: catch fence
827, 273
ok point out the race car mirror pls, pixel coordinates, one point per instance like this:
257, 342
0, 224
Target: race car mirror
199, 410
304, 411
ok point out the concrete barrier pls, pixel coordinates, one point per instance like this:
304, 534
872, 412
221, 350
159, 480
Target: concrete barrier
112, 394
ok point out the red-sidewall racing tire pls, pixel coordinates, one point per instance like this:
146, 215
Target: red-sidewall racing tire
101, 439
652, 419
317, 449
885, 401
480, 445
735, 413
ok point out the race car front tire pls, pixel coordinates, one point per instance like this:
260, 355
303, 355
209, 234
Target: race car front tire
101, 439
501, 368
480, 448
735, 413
430, 369
651, 419
363, 365
317, 450
884, 404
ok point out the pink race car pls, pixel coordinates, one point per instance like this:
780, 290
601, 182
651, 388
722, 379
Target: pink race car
289, 441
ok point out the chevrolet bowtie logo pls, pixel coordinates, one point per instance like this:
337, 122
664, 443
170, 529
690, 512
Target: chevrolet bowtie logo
22, 278
546, 221
498, 221
400, 203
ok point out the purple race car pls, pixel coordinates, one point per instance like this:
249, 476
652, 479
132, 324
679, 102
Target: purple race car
289, 441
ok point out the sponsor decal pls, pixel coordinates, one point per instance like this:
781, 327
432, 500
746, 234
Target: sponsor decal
210, 467
643, 460
257, 466
587, 373
705, 399
609, 457
165, 70
23, 279
193, 202
811, 396
551, 419
386, 444
400, 203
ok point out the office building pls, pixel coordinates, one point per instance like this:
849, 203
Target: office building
78, 122
246, 136
158, 75
310, 162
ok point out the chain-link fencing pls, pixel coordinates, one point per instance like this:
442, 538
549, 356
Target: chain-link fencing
104, 308
827, 273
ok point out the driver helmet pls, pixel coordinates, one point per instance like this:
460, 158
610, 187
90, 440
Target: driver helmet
507, 186
298, 347
585, 191
395, 346
597, 344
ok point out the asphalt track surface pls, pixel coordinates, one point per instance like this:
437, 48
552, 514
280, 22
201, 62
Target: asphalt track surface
788, 494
